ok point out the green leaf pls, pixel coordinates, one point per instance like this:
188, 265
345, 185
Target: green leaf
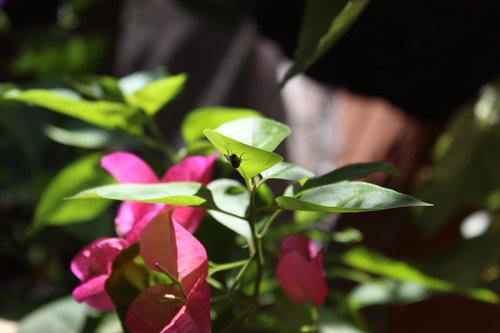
325, 21
84, 173
89, 138
105, 114
384, 291
156, 94
286, 171
348, 197
263, 133
133, 82
375, 263
349, 172
127, 280
253, 160
62, 315
230, 196
173, 193
210, 118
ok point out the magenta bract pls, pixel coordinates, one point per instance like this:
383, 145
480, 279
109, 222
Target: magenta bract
300, 271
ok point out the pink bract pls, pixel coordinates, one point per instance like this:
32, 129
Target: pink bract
92, 266
300, 271
128, 168
167, 247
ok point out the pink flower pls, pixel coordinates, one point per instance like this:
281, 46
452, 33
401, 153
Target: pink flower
92, 266
166, 246
128, 168
300, 271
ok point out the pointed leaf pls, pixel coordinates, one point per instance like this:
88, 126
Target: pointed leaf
210, 118
286, 171
325, 21
253, 160
155, 94
174, 193
230, 196
348, 197
263, 133
53, 210
105, 114
376, 263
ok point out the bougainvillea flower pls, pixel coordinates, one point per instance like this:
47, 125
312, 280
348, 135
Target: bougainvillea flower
300, 271
128, 168
92, 266
181, 308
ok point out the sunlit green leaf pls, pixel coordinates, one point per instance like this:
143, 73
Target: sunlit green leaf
105, 114
62, 315
348, 197
80, 175
155, 94
263, 133
230, 196
376, 263
173, 193
83, 138
325, 21
210, 118
286, 171
253, 160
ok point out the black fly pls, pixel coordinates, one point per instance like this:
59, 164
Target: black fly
233, 159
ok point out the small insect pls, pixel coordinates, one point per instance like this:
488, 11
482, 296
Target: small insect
233, 159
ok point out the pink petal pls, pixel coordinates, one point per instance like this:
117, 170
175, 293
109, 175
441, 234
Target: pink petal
128, 168
195, 316
188, 217
150, 312
97, 257
132, 216
93, 293
301, 280
297, 243
180, 254
192, 169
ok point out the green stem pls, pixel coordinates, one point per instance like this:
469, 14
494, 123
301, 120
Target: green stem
236, 321
257, 243
263, 230
241, 273
160, 141
226, 266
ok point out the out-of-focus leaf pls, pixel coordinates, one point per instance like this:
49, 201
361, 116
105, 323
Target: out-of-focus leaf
136, 81
173, 193
105, 114
81, 174
210, 118
253, 160
230, 196
465, 172
286, 171
375, 263
348, 197
127, 280
325, 21
383, 291
329, 321
155, 94
263, 133
84, 138
62, 315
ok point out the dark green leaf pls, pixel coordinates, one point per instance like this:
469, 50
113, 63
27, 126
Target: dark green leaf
348, 197
82, 174
325, 21
210, 118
